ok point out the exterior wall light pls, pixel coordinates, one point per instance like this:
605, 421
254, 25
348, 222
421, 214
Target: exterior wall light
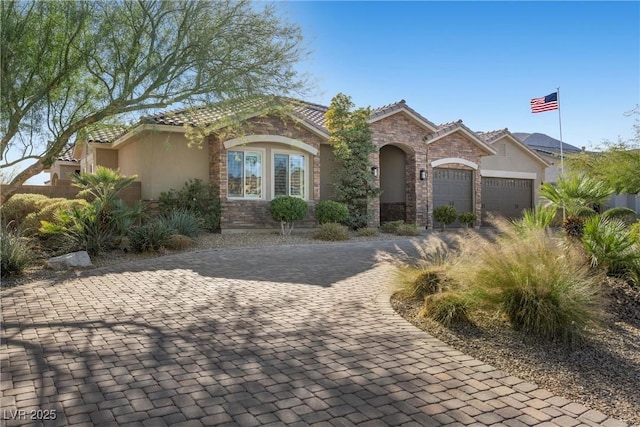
374, 171
423, 174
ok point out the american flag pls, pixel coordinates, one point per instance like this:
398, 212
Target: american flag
546, 103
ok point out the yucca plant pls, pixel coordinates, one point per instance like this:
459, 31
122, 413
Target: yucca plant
150, 236
16, 252
610, 245
536, 219
183, 222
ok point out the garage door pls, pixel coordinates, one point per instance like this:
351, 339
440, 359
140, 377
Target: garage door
506, 197
453, 187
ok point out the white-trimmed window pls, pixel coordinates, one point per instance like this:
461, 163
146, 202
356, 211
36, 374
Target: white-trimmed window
289, 175
244, 174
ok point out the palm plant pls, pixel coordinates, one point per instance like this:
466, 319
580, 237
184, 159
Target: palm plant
104, 184
577, 194
610, 245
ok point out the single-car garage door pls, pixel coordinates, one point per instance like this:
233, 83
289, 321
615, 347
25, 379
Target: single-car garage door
453, 187
506, 197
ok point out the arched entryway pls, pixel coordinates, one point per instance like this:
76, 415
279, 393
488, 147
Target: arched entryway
393, 182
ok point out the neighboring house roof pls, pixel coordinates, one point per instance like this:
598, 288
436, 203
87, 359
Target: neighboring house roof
495, 135
545, 143
105, 135
457, 126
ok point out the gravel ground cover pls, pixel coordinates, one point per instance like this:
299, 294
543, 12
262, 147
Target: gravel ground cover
602, 373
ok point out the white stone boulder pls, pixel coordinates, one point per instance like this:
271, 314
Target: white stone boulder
78, 259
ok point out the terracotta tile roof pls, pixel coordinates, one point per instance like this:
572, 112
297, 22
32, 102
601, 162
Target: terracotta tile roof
492, 136
106, 134
402, 104
205, 115
312, 114
67, 155
445, 128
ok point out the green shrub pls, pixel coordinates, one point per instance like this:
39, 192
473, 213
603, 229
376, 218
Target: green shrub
610, 245
19, 206
634, 232
49, 212
182, 222
391, 226
408, 230
196, 197
368, 232
150, 236
573, 226
467, 218
329, 211
332, 231
445, 215
16, 252
286, 210
446, 308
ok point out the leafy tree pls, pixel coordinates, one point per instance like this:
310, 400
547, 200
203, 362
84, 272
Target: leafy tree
66, 66
351, 139
617, 165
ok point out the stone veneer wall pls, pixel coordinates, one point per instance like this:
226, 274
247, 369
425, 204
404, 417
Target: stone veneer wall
254, 214
404, 133
454, 145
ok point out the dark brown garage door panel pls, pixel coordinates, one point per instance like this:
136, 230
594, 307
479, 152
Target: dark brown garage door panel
453, 187
506, 196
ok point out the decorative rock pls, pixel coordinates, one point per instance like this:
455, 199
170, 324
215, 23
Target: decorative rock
70, 260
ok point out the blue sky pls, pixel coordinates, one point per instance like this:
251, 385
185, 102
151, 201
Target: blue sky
481, 62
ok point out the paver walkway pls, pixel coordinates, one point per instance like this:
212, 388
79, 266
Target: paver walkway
293, 335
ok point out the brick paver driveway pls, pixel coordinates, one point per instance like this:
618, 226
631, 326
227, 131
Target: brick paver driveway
292, 335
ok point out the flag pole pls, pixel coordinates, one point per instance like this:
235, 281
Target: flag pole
561, 149
561, 143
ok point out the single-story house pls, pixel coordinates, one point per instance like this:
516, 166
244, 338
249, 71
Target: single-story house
419, 165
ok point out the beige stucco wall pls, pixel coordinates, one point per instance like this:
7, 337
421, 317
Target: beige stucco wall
62, 170
516, 159
162, 161
107, 158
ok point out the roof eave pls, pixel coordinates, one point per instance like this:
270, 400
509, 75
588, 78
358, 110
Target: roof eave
420, 120
474, 138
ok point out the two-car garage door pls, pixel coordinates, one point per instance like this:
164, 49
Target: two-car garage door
506, 197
